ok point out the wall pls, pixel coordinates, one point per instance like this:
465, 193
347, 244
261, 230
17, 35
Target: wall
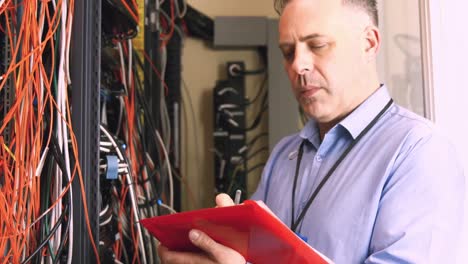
400, 55
450, 62
202, 66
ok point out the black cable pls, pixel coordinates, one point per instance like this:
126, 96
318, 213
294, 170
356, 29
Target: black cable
57, 153
150, 121
149, 118
256, 138
261, 165
51, 234
67, 227
258, 151
150, 178
257, 119
260, 91
248, 72
144, 103
198, 24
65, 235
46, 178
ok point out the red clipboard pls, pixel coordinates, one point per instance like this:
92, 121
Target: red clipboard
247, 228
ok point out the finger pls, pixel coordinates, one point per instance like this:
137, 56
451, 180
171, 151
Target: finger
173, 257
219, 253
207, 244
223, 200
162, 251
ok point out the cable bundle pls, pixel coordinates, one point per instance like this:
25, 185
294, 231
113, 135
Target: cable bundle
39, 154
38, 148
135, 183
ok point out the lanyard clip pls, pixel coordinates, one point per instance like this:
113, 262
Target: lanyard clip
304, 238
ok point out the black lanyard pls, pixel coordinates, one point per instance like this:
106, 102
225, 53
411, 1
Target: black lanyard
295, 224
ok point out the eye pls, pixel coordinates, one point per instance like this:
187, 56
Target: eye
318, 46
288, 55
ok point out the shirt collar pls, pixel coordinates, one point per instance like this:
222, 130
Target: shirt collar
356, 121
311, 133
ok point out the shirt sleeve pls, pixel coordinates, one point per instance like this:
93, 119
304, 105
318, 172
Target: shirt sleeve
420, 212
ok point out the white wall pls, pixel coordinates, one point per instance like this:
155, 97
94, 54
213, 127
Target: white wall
400, 55
450, 71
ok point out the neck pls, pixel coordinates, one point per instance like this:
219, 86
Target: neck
324, 127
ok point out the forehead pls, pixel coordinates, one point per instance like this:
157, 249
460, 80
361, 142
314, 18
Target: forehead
306, 17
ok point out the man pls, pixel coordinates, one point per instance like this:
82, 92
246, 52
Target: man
365, 181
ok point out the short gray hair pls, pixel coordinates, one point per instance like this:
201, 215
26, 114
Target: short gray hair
369, 6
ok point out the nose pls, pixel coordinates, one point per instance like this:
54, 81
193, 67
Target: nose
303, 61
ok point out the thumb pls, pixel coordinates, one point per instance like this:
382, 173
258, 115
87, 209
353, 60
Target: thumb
204, 242
219, 253
223, 200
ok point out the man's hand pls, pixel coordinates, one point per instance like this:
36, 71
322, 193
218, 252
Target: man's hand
223, 200
213, 251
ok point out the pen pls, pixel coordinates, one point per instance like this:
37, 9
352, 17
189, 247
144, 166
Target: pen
238, 197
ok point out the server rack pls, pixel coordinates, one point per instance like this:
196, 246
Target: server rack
85, 76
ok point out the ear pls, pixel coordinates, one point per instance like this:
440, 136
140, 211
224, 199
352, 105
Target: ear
372, 42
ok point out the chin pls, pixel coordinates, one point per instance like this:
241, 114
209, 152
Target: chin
316, 112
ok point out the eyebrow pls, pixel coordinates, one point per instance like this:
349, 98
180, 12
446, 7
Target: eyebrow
302, 39
311, 36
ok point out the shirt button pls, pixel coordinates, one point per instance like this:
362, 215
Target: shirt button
318, 158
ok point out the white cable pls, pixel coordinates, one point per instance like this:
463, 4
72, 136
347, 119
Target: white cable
158, 3
169, 170
106, 150
227, 106
130, 60
62, 134
104, 113
165, 120
122, 65
105, 144
106, 221
66, 71
132, 194
103, 212
68, 43
167, 207
119, 120
184, 10
228, 89
111, 139
41, 162
122, 170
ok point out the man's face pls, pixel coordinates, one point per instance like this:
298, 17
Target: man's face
323, 48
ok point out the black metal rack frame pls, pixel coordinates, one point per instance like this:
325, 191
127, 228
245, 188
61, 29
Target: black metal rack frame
85, 76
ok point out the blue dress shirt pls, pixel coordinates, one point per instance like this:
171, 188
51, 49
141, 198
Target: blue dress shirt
396, 198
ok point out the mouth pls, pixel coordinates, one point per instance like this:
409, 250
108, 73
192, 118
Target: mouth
306, 92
